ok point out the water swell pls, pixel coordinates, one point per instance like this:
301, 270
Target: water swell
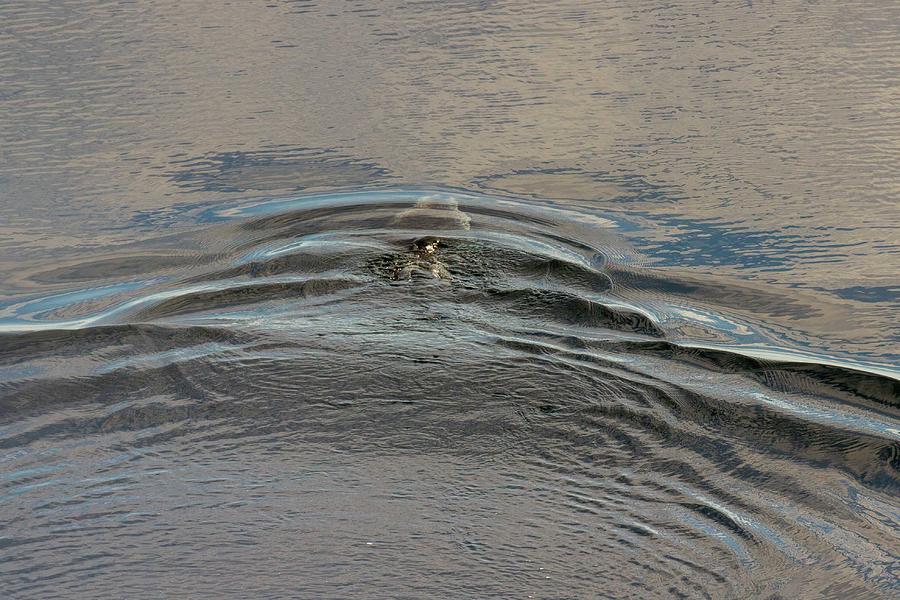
503, 247
508, 355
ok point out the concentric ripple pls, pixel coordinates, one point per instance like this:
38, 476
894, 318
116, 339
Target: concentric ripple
362, 393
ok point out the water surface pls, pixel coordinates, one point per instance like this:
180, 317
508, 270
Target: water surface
461, 298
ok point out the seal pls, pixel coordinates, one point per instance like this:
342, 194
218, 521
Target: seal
423, 259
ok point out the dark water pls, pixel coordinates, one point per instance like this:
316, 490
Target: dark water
466, 299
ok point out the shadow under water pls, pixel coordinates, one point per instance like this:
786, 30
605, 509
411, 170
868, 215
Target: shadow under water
436, 391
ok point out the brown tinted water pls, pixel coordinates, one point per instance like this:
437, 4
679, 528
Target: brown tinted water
466, 299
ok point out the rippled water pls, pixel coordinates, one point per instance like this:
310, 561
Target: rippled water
456, 299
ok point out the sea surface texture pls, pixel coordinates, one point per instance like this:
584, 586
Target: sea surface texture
452, 299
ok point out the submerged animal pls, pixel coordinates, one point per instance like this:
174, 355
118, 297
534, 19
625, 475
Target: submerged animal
422, 259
